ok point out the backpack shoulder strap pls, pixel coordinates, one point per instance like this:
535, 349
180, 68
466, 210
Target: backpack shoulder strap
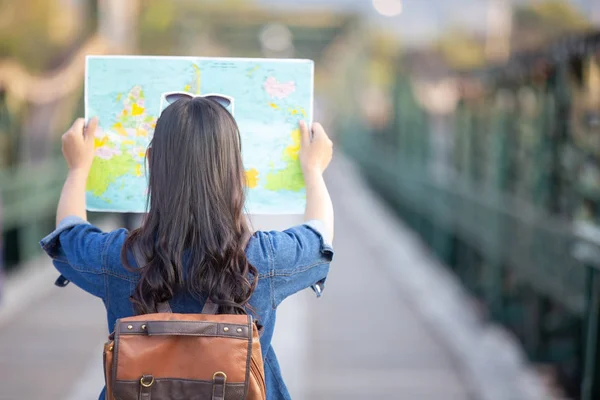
164, 307
210, 307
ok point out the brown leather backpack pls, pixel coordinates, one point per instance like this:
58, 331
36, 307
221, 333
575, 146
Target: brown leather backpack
167, 356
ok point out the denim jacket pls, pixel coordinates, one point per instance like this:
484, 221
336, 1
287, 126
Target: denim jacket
287, 262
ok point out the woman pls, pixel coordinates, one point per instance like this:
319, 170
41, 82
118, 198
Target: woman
195, 234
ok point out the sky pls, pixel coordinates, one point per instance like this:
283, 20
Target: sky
420, 20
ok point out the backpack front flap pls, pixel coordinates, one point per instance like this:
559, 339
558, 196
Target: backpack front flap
185, 356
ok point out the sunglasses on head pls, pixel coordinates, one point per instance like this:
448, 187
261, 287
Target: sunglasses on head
225, 101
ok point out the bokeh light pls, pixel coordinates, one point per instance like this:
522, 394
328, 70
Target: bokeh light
388, 8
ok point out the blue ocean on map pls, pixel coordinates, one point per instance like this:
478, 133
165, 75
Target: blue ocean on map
269, 98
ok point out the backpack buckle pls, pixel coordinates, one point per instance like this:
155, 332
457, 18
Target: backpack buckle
147, 381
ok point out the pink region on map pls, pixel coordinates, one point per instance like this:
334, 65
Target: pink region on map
278, 89
107, 153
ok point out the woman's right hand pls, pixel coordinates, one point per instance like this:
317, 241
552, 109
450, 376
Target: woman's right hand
315, 153
78, 145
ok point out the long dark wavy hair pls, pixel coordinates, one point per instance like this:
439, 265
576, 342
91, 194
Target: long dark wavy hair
195, 233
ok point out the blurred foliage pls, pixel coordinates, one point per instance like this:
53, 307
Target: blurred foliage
233, 27
461, 49
38, 33
158, 16
383, 52
157, 30
536, 24
173, 28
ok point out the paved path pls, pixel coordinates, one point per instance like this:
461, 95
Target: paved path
46, 346
370, 336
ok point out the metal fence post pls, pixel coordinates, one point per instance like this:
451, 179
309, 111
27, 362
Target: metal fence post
587, 251
590, 388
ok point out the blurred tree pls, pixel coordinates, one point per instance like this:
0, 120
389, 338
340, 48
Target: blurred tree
383, 52
158, 16
534, 25
23, 28
461, 49
538, 23
156, 27
176, 29
37, 32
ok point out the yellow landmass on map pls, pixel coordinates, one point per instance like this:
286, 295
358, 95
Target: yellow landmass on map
104, 172
136, 110
296, 111
100, 142
293, 150
118, 127
252, 178
130, 126
290, 177
194, 85
141, 132
198, 77
253, 70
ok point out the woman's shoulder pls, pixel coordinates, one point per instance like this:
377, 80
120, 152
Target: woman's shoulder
84, 254
290, 249
293, 259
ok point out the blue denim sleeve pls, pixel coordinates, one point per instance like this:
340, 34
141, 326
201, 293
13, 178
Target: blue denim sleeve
300, 258
79, 251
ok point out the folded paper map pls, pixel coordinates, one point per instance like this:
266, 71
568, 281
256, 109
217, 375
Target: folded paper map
267, 98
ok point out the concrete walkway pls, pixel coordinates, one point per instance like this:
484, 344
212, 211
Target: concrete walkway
392, 324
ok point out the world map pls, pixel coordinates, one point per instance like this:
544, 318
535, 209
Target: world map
270, 98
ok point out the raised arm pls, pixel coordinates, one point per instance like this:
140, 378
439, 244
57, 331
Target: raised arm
315, 155
78, 150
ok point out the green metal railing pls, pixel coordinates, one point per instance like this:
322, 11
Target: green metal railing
587, 252
506, 214
29, 197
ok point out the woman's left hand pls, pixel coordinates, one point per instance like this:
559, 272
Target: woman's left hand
78, 145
